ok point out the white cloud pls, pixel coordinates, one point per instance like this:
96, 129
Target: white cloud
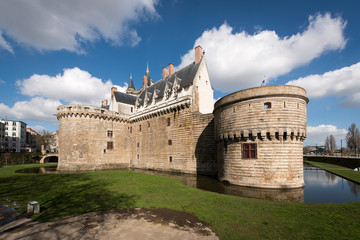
5, 45
318, 134
340, 82
73, 86
2, 81
37, 109
67, 24
240, 60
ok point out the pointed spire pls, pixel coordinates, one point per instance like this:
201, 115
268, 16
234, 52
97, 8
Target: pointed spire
147, 74
131, 84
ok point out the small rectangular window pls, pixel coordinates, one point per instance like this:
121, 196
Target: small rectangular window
138, 145
267, 105
110, 145
110, 133
132, 109
138, 156
249, 150
139, 128
148, 124
170, 159
168, 121
169, 142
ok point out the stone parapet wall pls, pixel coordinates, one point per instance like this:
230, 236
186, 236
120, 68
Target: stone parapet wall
272, 117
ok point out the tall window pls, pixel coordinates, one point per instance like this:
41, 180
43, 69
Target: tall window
148, 124
249, 150
110, 133
168, 121
130, 129
139, 128
169, 142
110, 145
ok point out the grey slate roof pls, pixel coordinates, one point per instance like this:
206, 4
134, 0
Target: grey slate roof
124, 98
186, 76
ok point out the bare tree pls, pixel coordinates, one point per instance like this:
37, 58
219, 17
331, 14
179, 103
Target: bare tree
327, 144
332, 143
353, 138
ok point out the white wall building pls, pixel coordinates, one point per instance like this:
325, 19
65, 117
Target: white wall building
15, 135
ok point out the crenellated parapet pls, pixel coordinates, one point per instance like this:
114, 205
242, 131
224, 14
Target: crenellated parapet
86, 111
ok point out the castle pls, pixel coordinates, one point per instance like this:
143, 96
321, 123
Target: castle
251, 137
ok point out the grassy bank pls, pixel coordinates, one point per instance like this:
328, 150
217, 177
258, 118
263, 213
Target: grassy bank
344, 172
230, 217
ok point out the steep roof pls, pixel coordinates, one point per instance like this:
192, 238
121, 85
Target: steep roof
185, 76
124, 98
131, 84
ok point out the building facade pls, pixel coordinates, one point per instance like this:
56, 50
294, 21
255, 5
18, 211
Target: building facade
15, 135
171, 125
2, 137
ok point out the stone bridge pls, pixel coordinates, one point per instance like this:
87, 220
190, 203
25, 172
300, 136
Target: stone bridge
45, 158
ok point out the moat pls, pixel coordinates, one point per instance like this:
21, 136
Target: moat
320, 186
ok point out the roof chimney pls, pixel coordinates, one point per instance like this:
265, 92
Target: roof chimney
105, 102
165, 73
198, 54
171, 69
113, 89
145, 83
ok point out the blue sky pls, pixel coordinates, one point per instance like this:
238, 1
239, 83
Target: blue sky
59, 52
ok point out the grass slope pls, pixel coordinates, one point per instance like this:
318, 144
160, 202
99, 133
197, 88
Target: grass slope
230, 217
344, 172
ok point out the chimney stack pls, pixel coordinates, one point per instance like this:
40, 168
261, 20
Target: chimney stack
171, 69
145, 81
105, 102
113, 89
198, 54
165, 73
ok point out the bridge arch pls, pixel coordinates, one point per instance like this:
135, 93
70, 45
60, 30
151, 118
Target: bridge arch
52, 157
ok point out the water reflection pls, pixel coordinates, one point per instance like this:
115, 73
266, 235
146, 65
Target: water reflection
320, 186
324, 187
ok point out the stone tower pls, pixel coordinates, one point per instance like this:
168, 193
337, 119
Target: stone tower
259, 134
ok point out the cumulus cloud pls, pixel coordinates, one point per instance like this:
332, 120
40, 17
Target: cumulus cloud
67, 24
241, 60
74, 86
37, 109
340, 82
318, 134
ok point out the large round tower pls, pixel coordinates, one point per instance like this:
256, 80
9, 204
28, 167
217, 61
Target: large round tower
260, 133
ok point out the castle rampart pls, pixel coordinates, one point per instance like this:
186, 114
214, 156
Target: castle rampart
259, 134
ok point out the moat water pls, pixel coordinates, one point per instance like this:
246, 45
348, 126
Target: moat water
320, 186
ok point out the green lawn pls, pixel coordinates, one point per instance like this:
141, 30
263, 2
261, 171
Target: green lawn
230, 217
344, 172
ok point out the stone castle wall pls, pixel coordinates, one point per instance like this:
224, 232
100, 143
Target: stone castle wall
272, 117
186, 145
175, 140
